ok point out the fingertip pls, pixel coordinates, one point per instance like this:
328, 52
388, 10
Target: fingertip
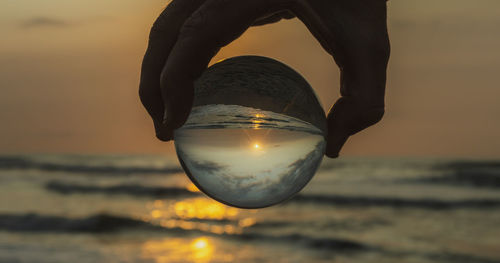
164, 137
163, 133
334, 145
332, 155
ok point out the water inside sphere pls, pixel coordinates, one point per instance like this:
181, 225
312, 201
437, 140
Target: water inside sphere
255, 135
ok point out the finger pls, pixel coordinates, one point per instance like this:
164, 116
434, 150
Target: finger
161, 40
355, 33
215, 24
274, 18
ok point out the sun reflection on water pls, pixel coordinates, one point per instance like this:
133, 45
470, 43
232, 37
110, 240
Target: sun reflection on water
198, 250
201, 214
192, 188
201, 249
256, 123
203, 208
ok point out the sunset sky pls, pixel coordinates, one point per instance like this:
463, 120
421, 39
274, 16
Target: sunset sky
69, 74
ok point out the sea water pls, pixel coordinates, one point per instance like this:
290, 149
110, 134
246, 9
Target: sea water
143, 208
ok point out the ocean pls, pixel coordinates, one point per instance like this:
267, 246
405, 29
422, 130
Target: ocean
124, 208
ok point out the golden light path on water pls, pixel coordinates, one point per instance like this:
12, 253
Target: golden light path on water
189, 214
201, 214
198, 250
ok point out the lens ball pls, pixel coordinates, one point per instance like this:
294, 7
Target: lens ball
256, 134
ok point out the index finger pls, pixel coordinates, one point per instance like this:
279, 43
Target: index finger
215, 24
161, 40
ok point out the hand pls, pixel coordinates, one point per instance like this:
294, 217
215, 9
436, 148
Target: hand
189, 33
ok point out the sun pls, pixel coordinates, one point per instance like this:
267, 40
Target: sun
200, 243
256, 146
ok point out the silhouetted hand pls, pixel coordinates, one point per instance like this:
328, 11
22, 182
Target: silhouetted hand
189, 33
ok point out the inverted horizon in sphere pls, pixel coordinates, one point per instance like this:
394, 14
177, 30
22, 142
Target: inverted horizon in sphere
250, 167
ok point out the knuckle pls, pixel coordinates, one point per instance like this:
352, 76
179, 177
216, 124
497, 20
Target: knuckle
159, 24
381, 48
177, 8
355, 115
365, 118
375, 46
206, 16
287, 14
372, 117
373, 96
378, 43
144, 94
194, 24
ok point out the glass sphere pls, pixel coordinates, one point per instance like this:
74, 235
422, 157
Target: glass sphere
256, 134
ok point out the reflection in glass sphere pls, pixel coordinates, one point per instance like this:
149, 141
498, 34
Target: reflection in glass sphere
255, 135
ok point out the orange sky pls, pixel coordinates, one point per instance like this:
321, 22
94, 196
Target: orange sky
69, 73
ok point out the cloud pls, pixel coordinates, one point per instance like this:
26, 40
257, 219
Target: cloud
309, 160
208, 167
38, 22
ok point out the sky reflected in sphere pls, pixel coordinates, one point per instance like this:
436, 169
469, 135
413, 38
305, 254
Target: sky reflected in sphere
260, 165
255, 135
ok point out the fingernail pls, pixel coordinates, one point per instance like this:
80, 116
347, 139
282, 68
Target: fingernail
165, 117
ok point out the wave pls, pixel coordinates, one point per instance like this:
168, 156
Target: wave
348, 224
328, 200
484, 174
21, 163
456, 258
103, 223
443, 256
431, 204
134, 190
470, 164
42, 223
462, 178
219, 116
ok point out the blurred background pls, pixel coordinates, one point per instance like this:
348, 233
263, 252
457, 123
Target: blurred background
83, 178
